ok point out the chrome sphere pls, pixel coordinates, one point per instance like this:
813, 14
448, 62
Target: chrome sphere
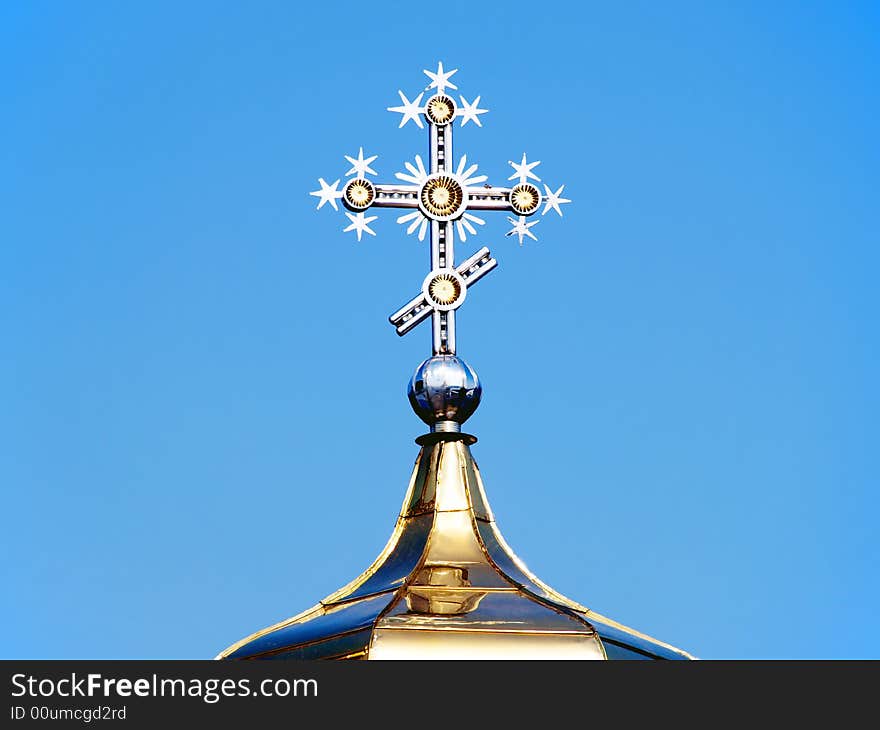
444, 392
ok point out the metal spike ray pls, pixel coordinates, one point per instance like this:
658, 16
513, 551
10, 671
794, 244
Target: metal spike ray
438, 198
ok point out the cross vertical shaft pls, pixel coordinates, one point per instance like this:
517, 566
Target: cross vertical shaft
442, 238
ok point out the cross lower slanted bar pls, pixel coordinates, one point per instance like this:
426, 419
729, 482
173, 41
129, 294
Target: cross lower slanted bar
418, 309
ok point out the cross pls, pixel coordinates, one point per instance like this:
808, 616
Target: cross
440, 199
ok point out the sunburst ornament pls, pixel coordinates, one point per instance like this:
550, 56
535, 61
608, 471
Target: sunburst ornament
358, 194
444, 289
440, 109
525, 199
441, 197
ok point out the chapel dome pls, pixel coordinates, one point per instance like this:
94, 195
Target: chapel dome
447, 586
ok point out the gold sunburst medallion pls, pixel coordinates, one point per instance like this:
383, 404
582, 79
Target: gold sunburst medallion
525, 199
359, 194
444, 289
442, 196
440, 109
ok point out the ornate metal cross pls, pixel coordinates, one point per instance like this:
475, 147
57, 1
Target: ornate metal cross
440, 199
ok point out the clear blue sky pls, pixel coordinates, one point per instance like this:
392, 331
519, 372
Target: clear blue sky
204, 425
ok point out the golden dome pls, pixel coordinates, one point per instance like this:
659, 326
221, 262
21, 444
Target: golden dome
447, 586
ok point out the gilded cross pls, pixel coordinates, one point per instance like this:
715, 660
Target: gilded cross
439, 199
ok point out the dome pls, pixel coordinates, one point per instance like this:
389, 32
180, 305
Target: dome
447, 586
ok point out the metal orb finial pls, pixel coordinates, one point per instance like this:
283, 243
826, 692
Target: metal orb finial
444, 392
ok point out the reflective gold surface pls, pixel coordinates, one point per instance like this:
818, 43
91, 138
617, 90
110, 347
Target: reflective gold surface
441, 590
318, 629
447, 586
408, 644
397, 561
480, 610
445, 479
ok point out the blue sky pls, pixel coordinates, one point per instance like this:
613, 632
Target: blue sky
204, 421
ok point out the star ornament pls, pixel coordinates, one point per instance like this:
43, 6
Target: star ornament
409, 109
470, 112
523, 170
440, 80
327, 194
360, 166
521, 228
359, 224
552, 200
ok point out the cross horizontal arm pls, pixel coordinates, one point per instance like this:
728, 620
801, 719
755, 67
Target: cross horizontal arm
489, 199
478, 198
396, 196
418, 309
